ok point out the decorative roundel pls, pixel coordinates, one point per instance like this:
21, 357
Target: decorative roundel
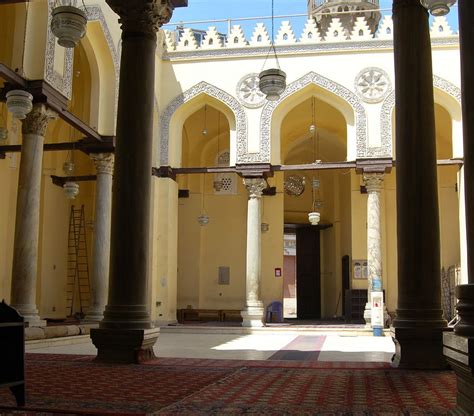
372, 85
249, 93
294, 185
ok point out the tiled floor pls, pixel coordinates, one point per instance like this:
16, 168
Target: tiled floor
261, 346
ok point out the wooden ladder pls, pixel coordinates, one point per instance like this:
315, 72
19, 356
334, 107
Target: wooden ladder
78, 284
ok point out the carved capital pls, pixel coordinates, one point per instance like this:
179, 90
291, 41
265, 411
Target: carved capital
373, 181
255, 186
37, 120
142, 16
104, 162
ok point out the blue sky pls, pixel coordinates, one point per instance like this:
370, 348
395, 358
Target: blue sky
223, 9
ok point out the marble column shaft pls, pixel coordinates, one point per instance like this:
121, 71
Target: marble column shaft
104, 163
25, 246
419, 321
373, 182
253, 314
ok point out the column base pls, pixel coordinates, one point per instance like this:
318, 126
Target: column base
30, 315
459, 352
124, 346
465, 308
418, 348
93, 318
252, 317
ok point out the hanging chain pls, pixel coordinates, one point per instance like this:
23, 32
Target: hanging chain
272, 45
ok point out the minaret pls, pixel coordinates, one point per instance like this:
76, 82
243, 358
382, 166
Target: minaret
355, 8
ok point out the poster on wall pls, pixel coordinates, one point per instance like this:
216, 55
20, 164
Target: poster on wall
360, 269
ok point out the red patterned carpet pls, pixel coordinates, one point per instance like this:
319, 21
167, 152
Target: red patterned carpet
59, 384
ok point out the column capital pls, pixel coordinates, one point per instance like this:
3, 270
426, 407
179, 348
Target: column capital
142, 16
104, 162
255, 186
37, 120
373, 181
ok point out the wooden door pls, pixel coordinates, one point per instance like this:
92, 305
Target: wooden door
308, 273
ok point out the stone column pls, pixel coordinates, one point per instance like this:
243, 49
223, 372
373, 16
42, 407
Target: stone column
104, 164
125, 333
459, 346
25, 246
465, 293
373, 182
419, 324
253, 313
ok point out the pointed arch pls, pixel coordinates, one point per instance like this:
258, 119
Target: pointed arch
239, 124
351, 107
386, 114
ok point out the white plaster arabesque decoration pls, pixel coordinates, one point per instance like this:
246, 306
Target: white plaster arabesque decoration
249, 93
386, 124
63, 82
327, 84
214, 92
372, 85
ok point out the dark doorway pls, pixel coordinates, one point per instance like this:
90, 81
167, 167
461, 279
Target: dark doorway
308, 273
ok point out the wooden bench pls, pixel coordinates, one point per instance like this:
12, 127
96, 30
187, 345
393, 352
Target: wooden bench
221, 315
12, 352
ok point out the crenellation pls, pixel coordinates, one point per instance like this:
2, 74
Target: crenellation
236, 38
361, 30
188, 41
440, 27
286, 35
260, 36
212, 39
385, 29
310, 32
336, 32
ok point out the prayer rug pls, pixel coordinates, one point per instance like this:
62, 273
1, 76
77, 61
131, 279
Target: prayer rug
302, 348
75, 385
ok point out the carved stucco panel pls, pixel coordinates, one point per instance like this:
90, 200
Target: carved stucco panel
63, 82
327, 84
386, 124
214, 92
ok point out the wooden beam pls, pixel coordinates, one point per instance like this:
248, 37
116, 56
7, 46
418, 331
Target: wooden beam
61, 180
12, 77
315, 166
85, 146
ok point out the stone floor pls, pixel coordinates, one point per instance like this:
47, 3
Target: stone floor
217, 343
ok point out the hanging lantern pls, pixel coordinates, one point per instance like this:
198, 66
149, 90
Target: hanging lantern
19, 103
264, 227
272, 83
69, 167
438, 7
71, 189
312, 128
203, 219
68, 23
314, 217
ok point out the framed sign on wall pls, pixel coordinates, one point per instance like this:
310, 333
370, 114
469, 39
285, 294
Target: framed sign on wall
360, 269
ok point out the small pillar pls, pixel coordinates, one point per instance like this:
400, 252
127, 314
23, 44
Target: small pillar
104, 164
419, 324
25, 246
253, 313
373, 182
